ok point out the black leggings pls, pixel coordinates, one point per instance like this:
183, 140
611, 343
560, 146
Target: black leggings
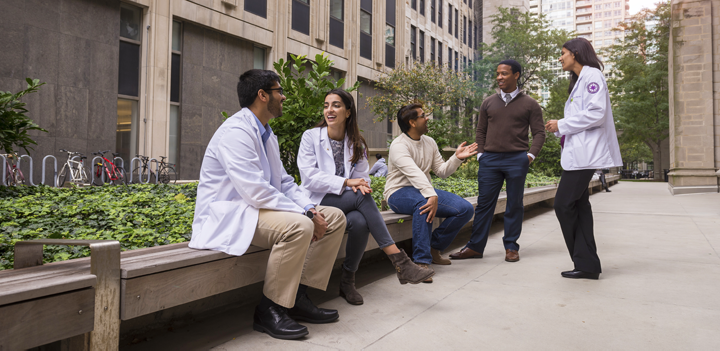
573, 210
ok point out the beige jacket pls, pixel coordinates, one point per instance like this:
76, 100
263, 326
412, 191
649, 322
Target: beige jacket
410, 162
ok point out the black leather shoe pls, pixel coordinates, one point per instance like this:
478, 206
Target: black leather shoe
305, 310
576, 274
275, 322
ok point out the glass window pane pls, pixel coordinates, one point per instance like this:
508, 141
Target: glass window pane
258, 58
130, 22
127, 130
337, 9
390, 34
300, 17
365, 22
173, 135
129, 71
175, 78
337, 32
257, 7
176, 36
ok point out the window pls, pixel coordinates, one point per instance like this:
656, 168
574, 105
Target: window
617, 13
413, 46
390, 33
598, 15
439, 53
422, 7
301, 16
257, 7
476, 37
422, 46
258, 58
432, 11
457, 61
440, 17
598, 7
470, 4
608, 13
432, 49
366, 29
413, 4
457, 16
608, 5
617, 4
175, 79
598, 24
470, 33
607, 24
450, 19
450, 59
464, 30
126, 134
337, 23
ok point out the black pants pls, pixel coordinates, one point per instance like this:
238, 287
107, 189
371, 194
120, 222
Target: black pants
573, 210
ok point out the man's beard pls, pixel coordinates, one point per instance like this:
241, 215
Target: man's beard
275, 107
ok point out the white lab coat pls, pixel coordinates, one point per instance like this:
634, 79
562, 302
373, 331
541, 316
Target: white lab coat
589, 129
237, 179
317, 165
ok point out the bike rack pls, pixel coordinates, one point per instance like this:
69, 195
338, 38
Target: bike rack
29, 179
4, 170
132, 169
157, 169
102, 174
122, 162
54, 179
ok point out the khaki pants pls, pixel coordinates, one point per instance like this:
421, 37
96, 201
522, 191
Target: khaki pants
294, 258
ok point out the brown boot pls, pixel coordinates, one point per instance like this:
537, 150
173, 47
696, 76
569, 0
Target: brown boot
409, 272
438, 259
425, 265
347, 288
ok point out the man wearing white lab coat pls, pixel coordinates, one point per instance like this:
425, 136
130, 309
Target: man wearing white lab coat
245, 197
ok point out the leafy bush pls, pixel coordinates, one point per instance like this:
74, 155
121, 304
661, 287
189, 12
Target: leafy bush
14, 124
137, 215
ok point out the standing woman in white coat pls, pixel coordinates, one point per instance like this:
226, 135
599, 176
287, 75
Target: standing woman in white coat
334, 170
590, 142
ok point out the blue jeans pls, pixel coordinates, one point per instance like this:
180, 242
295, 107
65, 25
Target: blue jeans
456, 211
494, 168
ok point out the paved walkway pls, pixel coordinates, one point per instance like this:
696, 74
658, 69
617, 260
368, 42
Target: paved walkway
660, 290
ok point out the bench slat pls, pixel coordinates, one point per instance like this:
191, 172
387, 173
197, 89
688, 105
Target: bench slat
151, 293
54, 278
58, 315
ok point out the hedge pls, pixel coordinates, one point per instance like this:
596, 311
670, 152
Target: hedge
137, 216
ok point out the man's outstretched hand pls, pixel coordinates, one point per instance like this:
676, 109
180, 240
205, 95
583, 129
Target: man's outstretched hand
464, 152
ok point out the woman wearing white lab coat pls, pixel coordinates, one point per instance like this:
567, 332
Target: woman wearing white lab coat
590, 142
334, 171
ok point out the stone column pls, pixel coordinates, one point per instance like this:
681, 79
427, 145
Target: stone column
694, 84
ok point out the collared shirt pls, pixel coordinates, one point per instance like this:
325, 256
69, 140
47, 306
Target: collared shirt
265, 133
502, 96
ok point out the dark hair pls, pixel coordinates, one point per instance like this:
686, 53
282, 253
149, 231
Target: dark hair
516, 68
355, 139
584, 55
378, 156
407, 114
251, 82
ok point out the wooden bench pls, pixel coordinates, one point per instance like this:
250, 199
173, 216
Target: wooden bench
159, 278
76, 301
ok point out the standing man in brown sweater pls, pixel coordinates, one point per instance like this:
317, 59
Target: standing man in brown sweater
502, 139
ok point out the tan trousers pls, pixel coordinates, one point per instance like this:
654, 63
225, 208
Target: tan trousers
294, 258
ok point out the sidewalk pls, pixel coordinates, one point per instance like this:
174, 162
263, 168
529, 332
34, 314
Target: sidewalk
660, 290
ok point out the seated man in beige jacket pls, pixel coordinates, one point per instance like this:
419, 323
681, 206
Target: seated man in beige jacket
409, 190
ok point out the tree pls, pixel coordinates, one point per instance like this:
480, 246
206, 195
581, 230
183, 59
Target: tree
14, 124
639, 86
525, 38
305, 84
441, 91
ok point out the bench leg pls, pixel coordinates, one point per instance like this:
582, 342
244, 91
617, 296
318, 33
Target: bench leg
105, 263
76, 343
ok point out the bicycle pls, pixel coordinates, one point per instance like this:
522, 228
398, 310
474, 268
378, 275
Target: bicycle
13, 174
115, 174
75, 169
143, 172
167, 171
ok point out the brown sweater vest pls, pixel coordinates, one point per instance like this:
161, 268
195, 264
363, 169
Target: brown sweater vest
503, 128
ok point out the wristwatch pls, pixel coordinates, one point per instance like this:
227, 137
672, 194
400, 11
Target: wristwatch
310, 214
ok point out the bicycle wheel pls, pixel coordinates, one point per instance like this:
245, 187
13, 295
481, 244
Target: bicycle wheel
119, 176
168, 174
62, 176
98, 172
19, 178
9, 178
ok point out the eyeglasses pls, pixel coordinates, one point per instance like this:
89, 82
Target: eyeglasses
280, 90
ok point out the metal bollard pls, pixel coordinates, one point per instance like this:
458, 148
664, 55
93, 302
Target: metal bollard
4, 170
54, 178
29, 179
157, 168
131, 169
102, 175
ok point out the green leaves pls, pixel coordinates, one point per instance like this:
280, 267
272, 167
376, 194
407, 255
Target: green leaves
14, 124
305, 83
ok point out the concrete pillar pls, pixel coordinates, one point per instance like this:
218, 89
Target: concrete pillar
694, 84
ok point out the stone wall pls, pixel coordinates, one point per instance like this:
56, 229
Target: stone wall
694, 81
73, 47
212, 64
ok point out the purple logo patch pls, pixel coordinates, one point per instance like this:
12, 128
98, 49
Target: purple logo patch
593, 88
